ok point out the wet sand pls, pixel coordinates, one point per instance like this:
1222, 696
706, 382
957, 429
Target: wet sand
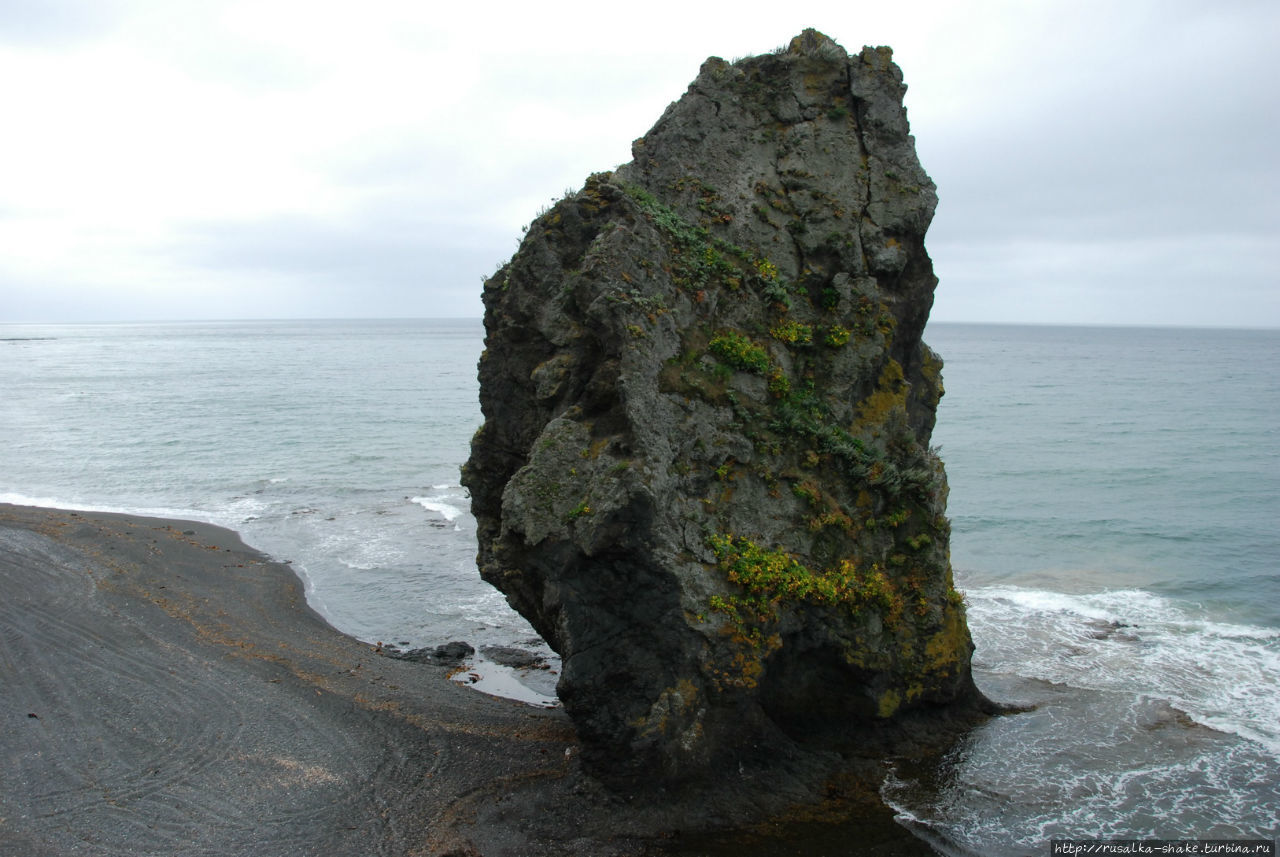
167, 691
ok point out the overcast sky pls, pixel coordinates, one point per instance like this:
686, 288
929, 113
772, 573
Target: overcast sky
1097, 162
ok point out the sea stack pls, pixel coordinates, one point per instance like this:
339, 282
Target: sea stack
705, 473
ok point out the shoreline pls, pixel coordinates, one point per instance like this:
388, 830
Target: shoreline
169, 691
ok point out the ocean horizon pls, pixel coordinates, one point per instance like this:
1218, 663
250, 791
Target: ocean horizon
1114, 495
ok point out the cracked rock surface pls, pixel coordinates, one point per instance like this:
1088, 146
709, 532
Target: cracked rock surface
705, 472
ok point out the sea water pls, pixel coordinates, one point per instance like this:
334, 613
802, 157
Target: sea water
1115, 497
1115, 501
335, 446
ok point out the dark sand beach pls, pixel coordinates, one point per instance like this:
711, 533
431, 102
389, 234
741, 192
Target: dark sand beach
166, 690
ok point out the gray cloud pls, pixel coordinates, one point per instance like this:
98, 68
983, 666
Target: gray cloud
385, 264
57, 23
1124, 187
1095, 161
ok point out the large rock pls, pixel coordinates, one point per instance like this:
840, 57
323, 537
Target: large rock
704, 474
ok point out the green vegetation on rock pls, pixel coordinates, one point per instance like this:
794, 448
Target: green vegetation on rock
772, 577
739, 352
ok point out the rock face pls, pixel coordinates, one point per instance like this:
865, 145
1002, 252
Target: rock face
704, 474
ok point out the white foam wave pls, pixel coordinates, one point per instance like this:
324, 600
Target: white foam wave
439, 506
1223, 675
487, 608
891, 791
1087, 764
359, 550
147, 511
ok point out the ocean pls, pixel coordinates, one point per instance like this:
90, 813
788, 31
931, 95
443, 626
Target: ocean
1115, 498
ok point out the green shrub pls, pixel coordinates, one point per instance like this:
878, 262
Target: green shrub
772, 576
766, 269
779, 383
793, 333
740, 352
837, 336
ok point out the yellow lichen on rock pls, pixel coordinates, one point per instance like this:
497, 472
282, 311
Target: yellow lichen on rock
890, 396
